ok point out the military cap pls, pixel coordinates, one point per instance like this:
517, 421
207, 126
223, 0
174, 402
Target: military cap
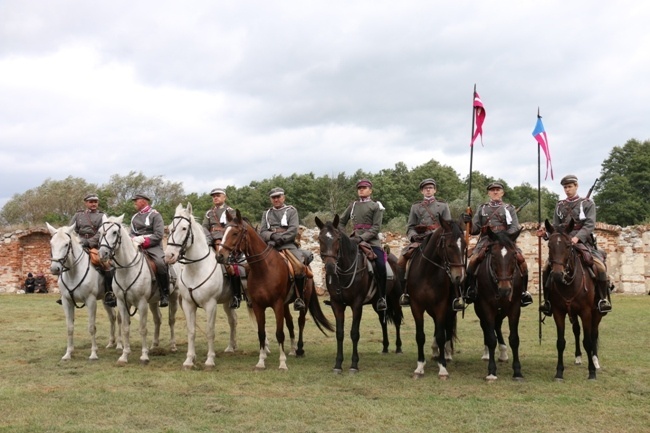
276, 192
569, 178
91, 196
142, 196
218, 191
428, 181
495, 185
364, 182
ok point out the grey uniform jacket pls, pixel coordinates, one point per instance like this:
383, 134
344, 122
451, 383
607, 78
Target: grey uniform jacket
87, 225
150, 224
498, 217
215, 221
283, 221
583, 211
426, 213
366, 218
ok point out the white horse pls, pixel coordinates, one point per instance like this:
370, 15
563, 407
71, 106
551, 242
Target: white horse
133, 286
201, 282
80, 284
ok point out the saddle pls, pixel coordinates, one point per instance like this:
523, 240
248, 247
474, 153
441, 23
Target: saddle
367, 250
585, 254
294, 264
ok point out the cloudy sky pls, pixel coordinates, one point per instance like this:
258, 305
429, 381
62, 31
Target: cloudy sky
215, 93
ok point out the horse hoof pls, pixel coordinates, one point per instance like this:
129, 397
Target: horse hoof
354, 370
417, 376
144, 362
256, 368
121, 363
337, 371
208, 367
173, 349
93, 358
187, 367
443, 376
300, 354
490, 378
518, 378
399, 351
559, 379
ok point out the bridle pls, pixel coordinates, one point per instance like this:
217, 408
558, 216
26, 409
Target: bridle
242, 245
568, 271
64, 269
496, 279
441, 244
352, 271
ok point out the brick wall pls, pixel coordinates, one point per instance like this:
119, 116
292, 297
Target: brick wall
21, 252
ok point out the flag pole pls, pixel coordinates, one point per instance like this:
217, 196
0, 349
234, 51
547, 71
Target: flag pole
539, 240
471, 160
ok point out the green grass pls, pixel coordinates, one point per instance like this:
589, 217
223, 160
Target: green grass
41, 393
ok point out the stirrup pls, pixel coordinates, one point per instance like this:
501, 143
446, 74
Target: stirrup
526, 299
109, 299
234, 304
604, 306
381, 304
405, 300
298, 304
458, 304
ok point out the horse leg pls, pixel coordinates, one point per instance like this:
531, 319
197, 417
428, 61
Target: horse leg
111, 321
126, 332
261, 335
211, 315
68, 309
420, 339
513, 338
588, 343
355, 334
189, 309
144, 312
398, 337
91, 303
173, 308
156, 314
490, 341
576, 334
441, 339
339, 315
231, 315
279, 332
501, 342
594, 338
300, 351
560, 344
384, 331
288, 318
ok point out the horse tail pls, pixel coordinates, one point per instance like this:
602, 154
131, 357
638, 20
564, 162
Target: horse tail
317, 313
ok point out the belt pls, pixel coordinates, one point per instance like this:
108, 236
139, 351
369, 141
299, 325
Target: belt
494, 228
362, 226
279, 230
433, 227
217, 229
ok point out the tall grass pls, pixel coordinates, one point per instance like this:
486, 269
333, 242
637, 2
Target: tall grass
41, 393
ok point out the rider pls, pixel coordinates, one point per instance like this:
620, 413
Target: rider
86, 225
583, 212
279, 228
147, 232
498, 216
424, 218
214, 224
367, 215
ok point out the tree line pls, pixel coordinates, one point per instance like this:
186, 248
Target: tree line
621, 195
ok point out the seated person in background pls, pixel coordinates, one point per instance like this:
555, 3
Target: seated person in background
30, 283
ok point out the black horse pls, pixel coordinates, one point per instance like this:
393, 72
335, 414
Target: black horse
433, 280
351, 283
500, 284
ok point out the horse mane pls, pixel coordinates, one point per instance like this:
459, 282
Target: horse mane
503, 238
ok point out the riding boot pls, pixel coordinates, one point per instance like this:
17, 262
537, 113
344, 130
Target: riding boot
380, 279
109, 296
163, 286
405, 299
526, 297
299, 304
235, 286
467, 295
545, 308
602, 287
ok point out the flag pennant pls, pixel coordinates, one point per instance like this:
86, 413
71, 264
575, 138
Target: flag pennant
479, 115
540, 135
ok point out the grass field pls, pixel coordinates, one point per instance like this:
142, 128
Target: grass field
40, 393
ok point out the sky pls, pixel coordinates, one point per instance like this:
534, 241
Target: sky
216, 93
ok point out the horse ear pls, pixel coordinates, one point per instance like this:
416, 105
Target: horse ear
319, 223
238, 215
104, 218
179, 208
335, 223
119, 219
51, 229
189, 207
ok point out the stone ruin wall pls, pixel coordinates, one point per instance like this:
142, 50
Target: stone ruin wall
628, 259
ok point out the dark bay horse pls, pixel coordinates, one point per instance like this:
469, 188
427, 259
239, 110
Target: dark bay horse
269, 286
571, 292
350, 283
500, 285
433, 280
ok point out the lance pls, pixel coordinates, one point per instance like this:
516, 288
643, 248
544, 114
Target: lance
539, 240
471, 160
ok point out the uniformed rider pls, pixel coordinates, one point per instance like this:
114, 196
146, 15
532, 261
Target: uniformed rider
147, 232
366, 215
499, 216
583, 212
424, 218
279, 228
214, 224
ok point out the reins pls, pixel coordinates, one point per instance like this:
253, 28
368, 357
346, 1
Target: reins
65, 269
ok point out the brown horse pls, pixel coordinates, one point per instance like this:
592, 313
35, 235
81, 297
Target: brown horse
350, 283
433, 280
571, 292
269, 286
500, 284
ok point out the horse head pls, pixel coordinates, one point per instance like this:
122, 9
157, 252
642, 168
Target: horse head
182, 236
448, 245
110, 237
234, 238
560, 249
331, 240
503, 260
64, 241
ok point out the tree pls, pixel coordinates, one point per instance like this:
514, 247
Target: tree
624, 188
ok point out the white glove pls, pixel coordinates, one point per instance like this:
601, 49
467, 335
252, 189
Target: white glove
138, 240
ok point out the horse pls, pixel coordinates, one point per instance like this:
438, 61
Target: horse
571, 292
500, 284
433, 278
201, 282
80, 285
350, 282
269, 286
134, 286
